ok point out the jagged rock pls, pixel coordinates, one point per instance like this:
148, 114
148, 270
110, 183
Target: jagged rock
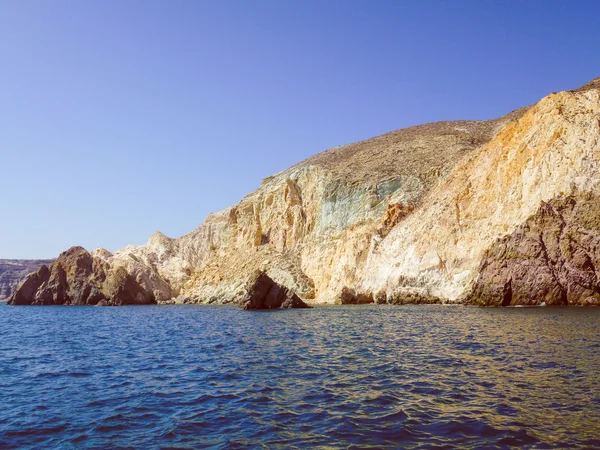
182, 299
591, 301
380, 298
263, 293
77, 278
13, 271
552, 258
349, 296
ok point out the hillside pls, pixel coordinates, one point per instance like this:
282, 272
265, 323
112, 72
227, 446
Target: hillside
411, 215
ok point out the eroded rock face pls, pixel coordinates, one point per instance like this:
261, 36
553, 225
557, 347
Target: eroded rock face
414, 298
403, 217
312, 227
552, 149
13, 271
77, 278
552, 258
349, 296
394, 213
263, 293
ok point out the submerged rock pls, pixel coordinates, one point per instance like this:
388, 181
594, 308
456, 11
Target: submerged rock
263, 293
414, 298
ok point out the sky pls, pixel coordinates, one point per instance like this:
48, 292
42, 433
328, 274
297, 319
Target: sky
121, 118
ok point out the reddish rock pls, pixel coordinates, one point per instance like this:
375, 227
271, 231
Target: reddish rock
394, 213
552, 258
264, 293
76, 278
349, 296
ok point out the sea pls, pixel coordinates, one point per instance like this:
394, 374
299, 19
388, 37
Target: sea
335, 377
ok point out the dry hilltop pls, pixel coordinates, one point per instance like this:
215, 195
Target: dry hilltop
498, 212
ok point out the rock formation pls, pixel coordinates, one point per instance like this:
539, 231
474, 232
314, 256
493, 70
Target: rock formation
404, 217
263, 293
552, 258
77, 278
13, 271
551, 150
349, 296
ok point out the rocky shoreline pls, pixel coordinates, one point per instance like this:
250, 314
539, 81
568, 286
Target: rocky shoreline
501, 212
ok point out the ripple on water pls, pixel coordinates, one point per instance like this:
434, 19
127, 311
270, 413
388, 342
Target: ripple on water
335, 377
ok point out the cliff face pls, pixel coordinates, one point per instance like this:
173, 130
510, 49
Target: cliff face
407, 215
552, 150
552, 258
312, 227
13, 271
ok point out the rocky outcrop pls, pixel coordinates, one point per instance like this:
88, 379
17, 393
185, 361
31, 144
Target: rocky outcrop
415, 298
349, 296
553, 258
406, 217
263, 293
77, 278
13, 271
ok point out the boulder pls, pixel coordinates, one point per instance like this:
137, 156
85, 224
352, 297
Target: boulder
349, 296
264, 293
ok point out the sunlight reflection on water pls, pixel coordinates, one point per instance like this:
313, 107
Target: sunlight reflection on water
336, 377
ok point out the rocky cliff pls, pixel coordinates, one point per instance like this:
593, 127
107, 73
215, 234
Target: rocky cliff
552, 258
13, 271
78, 278
408, 216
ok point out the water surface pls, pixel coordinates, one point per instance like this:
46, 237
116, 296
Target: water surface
329, 377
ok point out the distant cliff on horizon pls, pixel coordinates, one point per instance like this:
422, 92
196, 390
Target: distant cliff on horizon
496, 212
13, 271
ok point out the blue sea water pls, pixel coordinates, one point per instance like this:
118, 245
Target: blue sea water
329, 377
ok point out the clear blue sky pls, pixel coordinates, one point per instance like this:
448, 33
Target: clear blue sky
120, 118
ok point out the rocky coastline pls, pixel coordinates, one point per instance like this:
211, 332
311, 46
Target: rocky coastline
501, 212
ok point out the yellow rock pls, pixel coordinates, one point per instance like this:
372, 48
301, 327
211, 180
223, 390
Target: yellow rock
333, 220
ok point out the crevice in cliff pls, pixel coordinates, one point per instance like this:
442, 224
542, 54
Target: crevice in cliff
457, 214
507, 293
548, 209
